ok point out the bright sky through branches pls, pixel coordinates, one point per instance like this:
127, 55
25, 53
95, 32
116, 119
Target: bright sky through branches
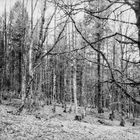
127, 16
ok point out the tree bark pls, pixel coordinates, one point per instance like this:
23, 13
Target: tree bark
137, 12
75, 87
99, 102
5, 48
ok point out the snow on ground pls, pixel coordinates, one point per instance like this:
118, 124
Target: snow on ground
44, 125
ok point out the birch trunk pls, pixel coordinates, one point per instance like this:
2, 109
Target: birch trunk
23, 90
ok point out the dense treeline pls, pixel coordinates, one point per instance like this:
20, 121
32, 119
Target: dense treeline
58, 58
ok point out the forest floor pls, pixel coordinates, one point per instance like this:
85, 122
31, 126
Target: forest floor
45, 125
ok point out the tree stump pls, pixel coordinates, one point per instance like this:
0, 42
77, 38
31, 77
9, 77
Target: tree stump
78, 117
100, 110
70, 109
65, 108
111, 116
122, 123
54, 108
134, 123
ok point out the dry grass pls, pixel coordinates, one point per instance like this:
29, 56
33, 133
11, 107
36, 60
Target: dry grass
44, 125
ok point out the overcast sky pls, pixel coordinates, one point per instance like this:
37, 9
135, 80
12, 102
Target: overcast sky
10, 4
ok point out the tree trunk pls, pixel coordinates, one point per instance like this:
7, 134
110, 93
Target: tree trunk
31, 53
99, 102
30, 66
20, 70
54, 86
5, 49
75, 87
23, 90
99, 96
137, 12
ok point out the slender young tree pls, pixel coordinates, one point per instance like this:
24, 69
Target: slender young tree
5, 46
99, 96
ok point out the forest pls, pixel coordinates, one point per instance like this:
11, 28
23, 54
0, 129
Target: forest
69, 69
